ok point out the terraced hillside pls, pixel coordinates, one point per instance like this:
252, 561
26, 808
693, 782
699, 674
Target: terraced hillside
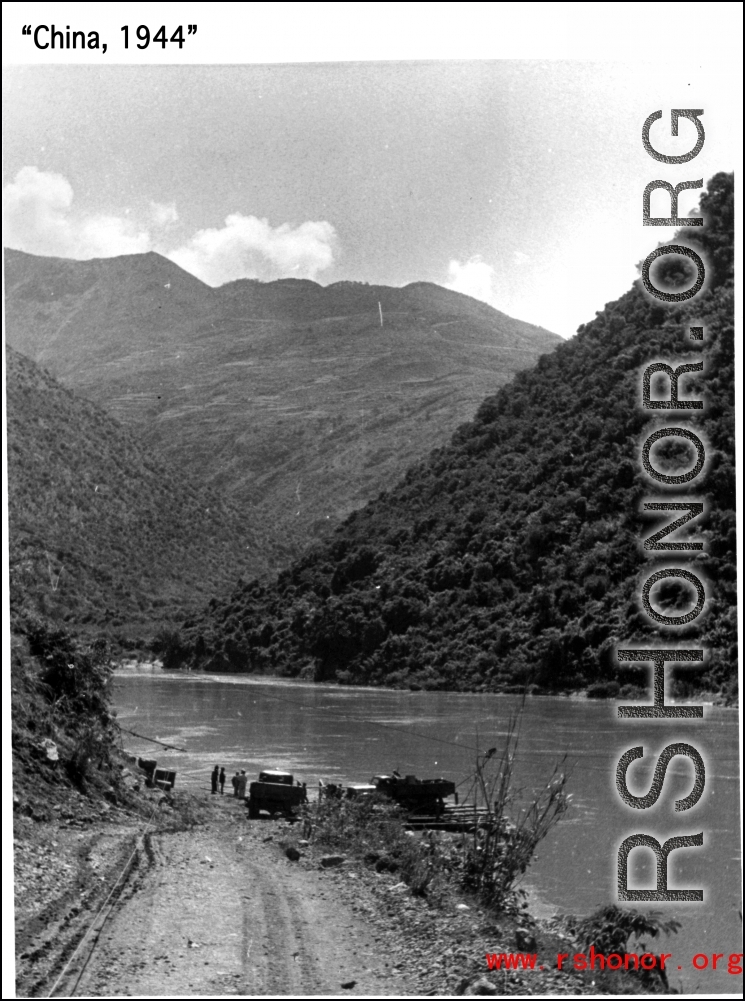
289, 398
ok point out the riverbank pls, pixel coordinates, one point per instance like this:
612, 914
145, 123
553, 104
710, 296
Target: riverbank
687, 695
214, 904
341, 734
77, 827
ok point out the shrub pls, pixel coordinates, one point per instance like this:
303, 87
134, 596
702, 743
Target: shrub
504, 842
74, 681
169, 646
604, 690
610, 928
374, 828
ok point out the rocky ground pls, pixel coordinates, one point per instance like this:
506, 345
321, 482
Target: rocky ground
213, 904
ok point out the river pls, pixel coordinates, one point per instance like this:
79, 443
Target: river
349, 734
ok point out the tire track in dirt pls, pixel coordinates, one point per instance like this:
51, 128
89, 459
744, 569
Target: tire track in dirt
50, 936
218, 911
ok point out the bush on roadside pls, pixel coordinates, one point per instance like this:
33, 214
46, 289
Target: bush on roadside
503, 843
610, 928
75, 677
67, 698
373, 828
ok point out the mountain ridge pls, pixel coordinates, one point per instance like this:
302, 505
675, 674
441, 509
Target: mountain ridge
288, 397
512, 555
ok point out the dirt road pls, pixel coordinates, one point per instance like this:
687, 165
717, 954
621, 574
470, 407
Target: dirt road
221, 911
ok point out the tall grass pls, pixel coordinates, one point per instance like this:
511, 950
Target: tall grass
502, 844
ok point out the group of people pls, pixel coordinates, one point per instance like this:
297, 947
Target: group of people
239, 782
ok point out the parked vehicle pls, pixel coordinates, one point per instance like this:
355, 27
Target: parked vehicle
275, 792
163, 778
413, 794
334, 790
360, 790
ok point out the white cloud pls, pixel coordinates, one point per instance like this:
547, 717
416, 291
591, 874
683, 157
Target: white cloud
39, 218
474, 278
247, 247
163, 215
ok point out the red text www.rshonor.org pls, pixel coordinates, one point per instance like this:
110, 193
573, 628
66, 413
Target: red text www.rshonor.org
594, 960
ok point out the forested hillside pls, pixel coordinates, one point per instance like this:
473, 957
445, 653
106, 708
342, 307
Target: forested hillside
513, 555
102, 534
296, 401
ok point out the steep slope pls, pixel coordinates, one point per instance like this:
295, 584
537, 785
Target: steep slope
289, 397
83, 319
101, 533
514, 554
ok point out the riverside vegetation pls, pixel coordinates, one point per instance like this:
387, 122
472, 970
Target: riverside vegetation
511, 557
489, 860
478, 873
72, 790
506, 559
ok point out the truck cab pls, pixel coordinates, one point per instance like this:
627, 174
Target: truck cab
275, 792
280, 778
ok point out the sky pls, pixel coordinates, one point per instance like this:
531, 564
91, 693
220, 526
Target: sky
516, 181
492, 147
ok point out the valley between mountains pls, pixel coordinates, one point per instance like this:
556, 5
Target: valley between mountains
295, 402
280, 477
358, 485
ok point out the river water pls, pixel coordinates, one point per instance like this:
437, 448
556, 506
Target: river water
349, 734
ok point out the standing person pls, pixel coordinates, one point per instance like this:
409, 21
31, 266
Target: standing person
215, 777
222, 781
235, 783
242, 783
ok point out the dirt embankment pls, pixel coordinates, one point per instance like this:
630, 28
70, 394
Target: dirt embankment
220, 910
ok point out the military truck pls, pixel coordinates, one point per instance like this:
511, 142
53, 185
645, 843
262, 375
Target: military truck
416, 795
275, 792
360, 790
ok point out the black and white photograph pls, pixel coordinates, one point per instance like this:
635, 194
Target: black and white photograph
371, 508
